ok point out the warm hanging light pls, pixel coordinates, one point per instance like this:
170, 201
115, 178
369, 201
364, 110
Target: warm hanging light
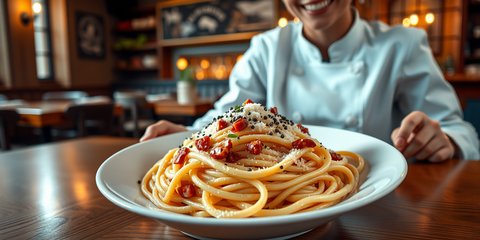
200, 75
429, 18
406, 22
282, 22
36, 8
414, 19
182, 63
204, 63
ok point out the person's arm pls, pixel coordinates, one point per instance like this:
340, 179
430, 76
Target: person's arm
433, 128
161, 128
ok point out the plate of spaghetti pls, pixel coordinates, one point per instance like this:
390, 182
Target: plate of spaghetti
251, 174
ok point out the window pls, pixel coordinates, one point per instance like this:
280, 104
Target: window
43, 48
426, 14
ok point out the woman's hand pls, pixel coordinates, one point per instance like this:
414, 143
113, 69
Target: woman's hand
421, 137
161, 128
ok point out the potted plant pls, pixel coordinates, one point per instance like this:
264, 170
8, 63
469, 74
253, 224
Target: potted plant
186, 87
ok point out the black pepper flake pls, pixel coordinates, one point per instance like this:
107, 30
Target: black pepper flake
138, 182
282, 136
249, 169
281, 166
265, 117
252, 127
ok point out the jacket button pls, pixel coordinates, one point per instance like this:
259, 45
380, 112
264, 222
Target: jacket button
351, 121
297, 117
356, 68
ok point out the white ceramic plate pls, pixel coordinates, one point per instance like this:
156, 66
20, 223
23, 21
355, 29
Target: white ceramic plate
117, 178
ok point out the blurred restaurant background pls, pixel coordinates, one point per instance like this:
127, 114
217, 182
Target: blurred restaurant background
72, 68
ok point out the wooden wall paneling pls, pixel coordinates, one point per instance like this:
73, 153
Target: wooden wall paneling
21, 44
60, 44
5, 74
452, 34
89, 72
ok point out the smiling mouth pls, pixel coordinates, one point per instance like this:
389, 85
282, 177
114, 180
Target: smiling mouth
315, 6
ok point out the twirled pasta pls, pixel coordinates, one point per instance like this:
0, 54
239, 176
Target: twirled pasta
251, 162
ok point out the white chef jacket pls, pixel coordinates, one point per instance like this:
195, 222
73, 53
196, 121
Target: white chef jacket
376, 76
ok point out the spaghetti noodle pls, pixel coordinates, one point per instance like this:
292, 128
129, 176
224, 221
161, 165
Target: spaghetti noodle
251, 162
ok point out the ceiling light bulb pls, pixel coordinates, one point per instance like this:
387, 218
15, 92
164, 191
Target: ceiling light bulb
36, 7
406, 22
282, 22
182, 63
429, 18
414, 19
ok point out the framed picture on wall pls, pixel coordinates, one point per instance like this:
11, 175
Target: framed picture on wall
90, 32
203, 21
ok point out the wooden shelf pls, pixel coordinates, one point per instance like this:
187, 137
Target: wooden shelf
146, 47
138, 30
132, 69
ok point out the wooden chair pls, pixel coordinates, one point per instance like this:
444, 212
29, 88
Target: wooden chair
138, 114
87, 116
8, 122
64, 95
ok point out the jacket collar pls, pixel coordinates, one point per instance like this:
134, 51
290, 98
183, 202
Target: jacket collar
342, 49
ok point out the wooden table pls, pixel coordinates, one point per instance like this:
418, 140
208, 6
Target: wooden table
49, 192
171, 107
47, 113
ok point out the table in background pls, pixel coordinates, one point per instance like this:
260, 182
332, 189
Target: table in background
45, 114
171, 107
49, 192
48, 113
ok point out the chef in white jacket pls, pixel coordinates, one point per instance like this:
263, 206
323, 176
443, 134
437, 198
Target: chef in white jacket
335, 69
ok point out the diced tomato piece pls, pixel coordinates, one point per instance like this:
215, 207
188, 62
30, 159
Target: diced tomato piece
221, 152
248, 101
274, 110
203, 144
222, 124
303, 129
228, 144
186, 191
303, 143
335, 156
181, 155
239, 125
255, 147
